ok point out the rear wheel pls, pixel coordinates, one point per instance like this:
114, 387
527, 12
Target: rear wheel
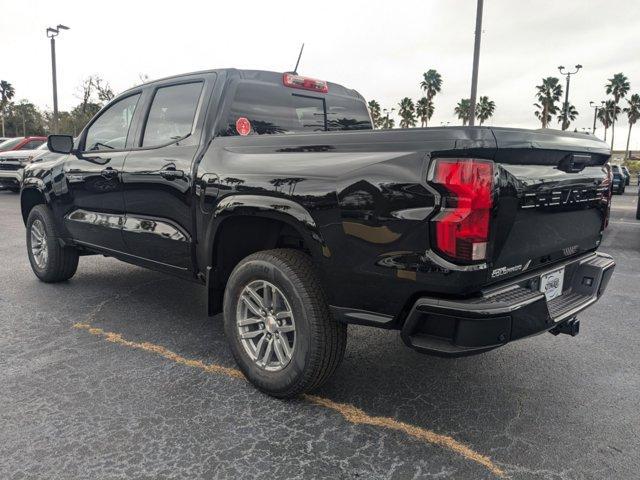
278, 323
50, 261
638, 209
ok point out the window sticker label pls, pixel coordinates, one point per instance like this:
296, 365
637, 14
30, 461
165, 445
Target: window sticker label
243, 126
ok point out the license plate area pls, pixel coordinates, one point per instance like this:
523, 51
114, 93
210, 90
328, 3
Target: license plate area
551, 283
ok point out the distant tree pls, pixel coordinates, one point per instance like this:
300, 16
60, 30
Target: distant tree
572, 114
407, 113
618, 86
633, 115
485, 109
605, 119
6, 94
608, 115
93, 93
374, 110
103, 89
424, 110
388, 122
24, 119
431, 84
547, 94
463, 110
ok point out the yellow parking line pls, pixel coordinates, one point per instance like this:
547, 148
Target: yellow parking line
349, 412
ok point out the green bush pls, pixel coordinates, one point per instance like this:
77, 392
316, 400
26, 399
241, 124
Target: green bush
633, 165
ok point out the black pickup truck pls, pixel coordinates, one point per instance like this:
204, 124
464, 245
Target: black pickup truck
274, 192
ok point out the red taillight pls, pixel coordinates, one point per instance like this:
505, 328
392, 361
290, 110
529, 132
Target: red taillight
608, 182
462, 227
296, 81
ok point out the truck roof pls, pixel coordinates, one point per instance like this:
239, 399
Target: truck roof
256, 75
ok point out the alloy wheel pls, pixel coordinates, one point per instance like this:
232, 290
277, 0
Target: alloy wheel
265, 325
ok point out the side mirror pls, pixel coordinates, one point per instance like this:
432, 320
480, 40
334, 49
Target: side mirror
60, 143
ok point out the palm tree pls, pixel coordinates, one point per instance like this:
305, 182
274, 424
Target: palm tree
431, 84
424, 110
374, 110
572, 114
388, 122
633, 115
407, 113
618, 86
605, 119
485, 109
463, 110
6, 94
548, 93
608, 115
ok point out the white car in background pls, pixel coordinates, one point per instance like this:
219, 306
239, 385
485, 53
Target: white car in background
12, 164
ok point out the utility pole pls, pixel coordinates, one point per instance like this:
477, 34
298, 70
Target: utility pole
565, 110
595, 107
476, 64
52, 33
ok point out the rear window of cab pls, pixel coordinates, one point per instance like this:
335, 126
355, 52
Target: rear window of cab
274, 109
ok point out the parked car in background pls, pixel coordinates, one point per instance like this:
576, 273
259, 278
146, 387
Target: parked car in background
627, 174
12, 164
4, 139
619, 179
22, 143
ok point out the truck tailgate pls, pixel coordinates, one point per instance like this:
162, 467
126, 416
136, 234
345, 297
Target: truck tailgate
552, 198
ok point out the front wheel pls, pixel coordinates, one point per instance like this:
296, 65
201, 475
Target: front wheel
638, 209
278, 323
50, 261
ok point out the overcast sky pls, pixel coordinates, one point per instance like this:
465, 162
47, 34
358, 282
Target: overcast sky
379, 48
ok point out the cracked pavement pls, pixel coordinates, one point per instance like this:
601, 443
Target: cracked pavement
73, 405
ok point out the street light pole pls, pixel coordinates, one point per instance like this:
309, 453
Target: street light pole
52, 33
388, 112
476, 64
595, 113
565, 110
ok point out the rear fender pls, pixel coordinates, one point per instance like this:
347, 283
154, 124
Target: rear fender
278, 209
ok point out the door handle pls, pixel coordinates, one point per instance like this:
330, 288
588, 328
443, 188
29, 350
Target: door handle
170, 173
109, 173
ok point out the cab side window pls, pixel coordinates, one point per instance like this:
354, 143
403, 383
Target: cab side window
172, 113
110, 130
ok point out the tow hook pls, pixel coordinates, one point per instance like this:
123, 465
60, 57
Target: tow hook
570, 327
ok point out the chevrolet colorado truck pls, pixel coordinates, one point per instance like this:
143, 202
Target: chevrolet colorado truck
273, 191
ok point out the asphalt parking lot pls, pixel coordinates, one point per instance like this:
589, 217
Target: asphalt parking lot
118, 373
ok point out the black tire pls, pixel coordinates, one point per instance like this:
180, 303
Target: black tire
320, 340
638, 209
61, 262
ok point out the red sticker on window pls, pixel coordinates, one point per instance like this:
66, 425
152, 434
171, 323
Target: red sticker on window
243, 126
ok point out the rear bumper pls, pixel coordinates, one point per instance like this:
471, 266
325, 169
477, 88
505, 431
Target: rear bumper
505, 313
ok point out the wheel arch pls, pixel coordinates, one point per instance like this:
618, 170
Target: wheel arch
245, 224
30, 196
